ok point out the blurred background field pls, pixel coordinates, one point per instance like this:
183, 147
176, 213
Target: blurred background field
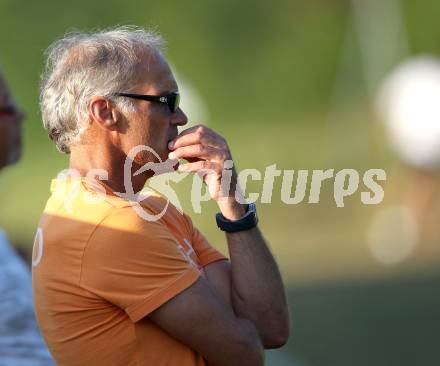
288, 82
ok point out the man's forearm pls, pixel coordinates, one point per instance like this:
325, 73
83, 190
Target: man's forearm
257, 290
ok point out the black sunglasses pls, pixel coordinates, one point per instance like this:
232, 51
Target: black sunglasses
172, 100
8, 111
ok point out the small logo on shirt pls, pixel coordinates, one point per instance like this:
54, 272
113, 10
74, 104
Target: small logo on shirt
188, 252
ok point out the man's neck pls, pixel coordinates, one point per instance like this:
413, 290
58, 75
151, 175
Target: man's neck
107, 167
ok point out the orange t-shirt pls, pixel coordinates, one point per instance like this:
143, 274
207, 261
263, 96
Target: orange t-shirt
99, 269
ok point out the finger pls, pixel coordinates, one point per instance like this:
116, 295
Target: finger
197, 135
199, 166
197, 151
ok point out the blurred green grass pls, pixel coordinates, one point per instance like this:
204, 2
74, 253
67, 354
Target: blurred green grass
395, 322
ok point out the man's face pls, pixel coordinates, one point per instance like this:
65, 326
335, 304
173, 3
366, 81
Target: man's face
153, 124
10, 127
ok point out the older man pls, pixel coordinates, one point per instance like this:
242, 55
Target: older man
20, 340
110, 287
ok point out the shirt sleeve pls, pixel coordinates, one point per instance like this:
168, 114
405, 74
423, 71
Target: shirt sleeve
135, 264
205, 252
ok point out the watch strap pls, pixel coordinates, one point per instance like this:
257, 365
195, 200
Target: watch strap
248, 221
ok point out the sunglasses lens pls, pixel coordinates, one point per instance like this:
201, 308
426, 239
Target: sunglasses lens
7, 111
176, 102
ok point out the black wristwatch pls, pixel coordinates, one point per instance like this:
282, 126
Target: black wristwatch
248, 221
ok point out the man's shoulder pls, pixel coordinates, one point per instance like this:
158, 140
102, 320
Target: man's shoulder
74, 210
77, 202
79, 197
146, 219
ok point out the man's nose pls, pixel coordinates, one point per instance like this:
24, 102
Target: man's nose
179, 118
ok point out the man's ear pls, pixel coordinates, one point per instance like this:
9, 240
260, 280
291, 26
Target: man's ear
102, 112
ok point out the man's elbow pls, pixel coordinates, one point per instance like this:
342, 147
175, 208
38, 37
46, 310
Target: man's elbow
278, 335
277, 340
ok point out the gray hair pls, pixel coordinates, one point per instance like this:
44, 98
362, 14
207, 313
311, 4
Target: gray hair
81, 65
